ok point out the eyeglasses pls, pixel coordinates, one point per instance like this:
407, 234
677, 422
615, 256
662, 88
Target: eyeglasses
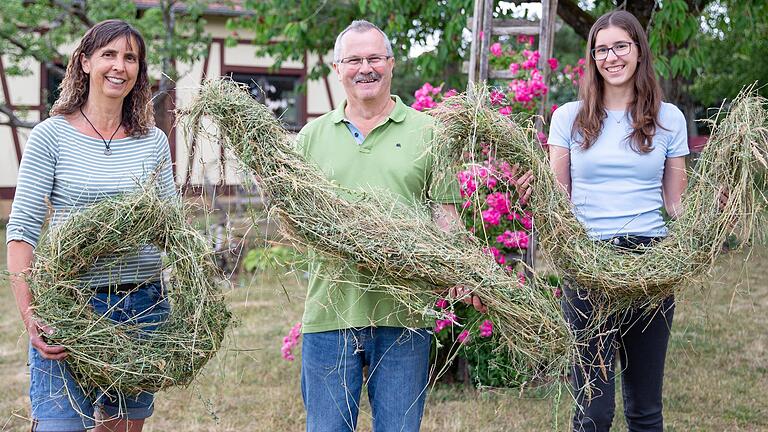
620, 49
373, 61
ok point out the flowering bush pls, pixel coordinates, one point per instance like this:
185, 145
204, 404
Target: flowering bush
290, 341
491, 209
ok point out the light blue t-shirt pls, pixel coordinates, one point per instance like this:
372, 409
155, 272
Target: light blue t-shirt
615, 190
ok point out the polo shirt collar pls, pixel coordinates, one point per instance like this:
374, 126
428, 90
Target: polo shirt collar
397, 115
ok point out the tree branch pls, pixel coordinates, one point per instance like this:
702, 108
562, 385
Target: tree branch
49, 64
570, 12
75, 11
13, 120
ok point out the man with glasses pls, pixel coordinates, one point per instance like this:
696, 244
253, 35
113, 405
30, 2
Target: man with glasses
372, 141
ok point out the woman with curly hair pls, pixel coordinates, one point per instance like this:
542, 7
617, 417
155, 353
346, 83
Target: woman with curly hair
100, 141
619, 152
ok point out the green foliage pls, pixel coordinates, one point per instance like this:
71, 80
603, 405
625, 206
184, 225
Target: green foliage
673, 40
266, 259
736, 45
38, 29
312, 25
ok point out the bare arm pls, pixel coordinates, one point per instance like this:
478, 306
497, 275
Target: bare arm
560, 162
673, 183
19, 263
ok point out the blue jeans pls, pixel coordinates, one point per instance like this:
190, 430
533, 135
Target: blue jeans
59, 403
332, 377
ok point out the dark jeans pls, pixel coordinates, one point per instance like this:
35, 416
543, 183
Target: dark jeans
640, 336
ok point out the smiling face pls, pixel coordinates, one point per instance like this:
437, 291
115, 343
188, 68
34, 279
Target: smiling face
617, 71
112, 69
363, 82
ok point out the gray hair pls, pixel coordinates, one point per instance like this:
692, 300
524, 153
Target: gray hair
359, 26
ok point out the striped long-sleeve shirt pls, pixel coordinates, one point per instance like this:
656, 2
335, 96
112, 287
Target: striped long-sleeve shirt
69, 169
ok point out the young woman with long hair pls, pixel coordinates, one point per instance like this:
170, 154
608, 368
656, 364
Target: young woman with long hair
619, 152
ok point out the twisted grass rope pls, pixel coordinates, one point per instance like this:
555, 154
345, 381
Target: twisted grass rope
109, 356
734, 160
409, 255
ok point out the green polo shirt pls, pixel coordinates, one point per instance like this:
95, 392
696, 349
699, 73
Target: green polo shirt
394, 156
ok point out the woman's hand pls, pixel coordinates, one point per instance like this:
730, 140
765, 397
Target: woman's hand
466, 296
50, 352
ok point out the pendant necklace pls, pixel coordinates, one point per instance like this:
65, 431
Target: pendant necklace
107, 149
624, 114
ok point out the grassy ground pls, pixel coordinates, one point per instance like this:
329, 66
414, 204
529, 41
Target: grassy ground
717, 369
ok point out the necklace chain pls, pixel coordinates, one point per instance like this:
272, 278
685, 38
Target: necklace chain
107, 149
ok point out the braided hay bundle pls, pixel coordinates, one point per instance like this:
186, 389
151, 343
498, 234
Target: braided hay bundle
409, 255
120, 357
734, 160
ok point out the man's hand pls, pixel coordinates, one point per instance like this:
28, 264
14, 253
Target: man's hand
50, 352
722, 197
466, 296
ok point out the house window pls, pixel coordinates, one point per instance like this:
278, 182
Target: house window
52, 84
280, 93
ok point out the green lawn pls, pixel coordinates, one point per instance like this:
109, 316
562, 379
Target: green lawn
717, 371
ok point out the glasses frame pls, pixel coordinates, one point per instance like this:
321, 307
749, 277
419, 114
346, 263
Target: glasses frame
593, 51
346, 60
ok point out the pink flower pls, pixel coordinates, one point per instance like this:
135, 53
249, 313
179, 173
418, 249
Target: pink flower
505, 110
514, 68
467, 204
463, 336
521, 39
553, 63
451, 92
496, 49
491, 216
514, 239
499, 202
497, 97
467, 185
482, 35
290, 341
521, 278
530, 40
441, 303
497, 255
525, 220
486, 328
441, 324
491, 182
558, 292
554, 107
582, 61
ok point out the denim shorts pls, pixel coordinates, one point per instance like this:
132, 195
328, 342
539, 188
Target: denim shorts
59, 403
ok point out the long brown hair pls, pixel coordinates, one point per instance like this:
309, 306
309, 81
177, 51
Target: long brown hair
138, 113
644, 108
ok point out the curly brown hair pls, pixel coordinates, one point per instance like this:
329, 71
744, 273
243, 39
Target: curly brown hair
138, 116
644, 108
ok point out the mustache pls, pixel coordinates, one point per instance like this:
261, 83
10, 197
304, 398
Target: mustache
373, 75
